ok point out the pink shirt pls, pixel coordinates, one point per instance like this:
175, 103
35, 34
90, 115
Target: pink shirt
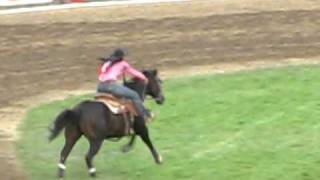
117, 70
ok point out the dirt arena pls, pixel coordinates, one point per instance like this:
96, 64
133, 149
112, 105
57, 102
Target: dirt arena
48, 56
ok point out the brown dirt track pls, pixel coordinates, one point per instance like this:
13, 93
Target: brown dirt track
45, 56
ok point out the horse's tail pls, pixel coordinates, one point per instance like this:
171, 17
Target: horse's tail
65, 117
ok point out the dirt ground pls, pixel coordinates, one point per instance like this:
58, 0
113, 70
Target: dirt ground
48, 56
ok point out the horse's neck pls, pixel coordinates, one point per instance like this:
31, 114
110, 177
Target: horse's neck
137, 86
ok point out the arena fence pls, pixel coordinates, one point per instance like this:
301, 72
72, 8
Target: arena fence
15, 9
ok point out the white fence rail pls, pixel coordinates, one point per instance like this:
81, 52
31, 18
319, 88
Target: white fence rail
23, 2
81, 5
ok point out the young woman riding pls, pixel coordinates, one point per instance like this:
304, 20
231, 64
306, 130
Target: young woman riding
113, 69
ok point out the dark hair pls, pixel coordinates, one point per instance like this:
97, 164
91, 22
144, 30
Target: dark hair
118, 53
116, 56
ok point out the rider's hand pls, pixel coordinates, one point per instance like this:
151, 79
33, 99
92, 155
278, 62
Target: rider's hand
146, 81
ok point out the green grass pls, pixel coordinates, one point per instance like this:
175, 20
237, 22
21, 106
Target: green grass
258, 125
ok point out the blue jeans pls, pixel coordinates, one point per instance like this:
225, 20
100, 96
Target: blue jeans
121, 91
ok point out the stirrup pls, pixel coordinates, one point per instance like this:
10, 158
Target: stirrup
148, 117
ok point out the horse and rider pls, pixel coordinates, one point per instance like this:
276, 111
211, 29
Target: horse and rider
95, 118
112, 69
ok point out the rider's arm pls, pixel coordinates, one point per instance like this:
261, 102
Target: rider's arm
135, 73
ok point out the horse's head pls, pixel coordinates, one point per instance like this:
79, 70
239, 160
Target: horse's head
154, 88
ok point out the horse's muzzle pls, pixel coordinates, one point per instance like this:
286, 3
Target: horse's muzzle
160, 99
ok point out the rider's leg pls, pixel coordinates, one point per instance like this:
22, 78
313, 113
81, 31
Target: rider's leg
122, 91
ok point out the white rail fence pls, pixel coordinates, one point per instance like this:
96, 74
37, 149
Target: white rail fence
48, 7
9, 3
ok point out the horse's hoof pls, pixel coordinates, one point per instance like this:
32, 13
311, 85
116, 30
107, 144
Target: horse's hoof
93, 175
60, 173
159, 159
126, 149
92, 172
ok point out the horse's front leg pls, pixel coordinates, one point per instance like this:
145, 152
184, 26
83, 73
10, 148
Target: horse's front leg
128, 147
142, 130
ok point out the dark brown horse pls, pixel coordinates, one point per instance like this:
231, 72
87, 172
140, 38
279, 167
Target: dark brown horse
96, 122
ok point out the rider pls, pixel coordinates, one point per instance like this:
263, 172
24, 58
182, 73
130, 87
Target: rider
114, 68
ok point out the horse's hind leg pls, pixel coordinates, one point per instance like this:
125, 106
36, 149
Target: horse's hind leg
71, 137
127, 147
142, 130
94, 148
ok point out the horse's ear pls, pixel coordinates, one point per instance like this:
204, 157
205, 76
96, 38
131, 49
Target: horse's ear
144, 71
154, 72
150, 72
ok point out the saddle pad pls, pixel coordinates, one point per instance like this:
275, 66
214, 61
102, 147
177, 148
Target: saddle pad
116, 105
115, 108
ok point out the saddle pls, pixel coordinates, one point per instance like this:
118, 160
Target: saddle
116, 105
119, 106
